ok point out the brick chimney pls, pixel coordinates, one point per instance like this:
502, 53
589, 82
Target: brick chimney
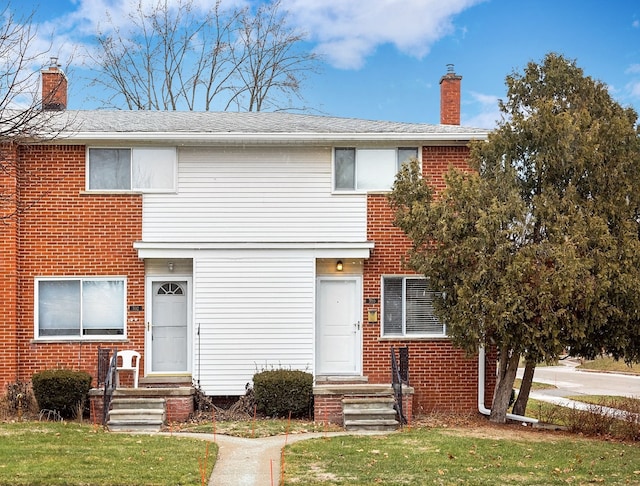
450, 97
54, 87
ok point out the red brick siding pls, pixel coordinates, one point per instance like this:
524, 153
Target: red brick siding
450, 99
179, 409
328, 409
8, 266
67, 232
443, 377
54, 89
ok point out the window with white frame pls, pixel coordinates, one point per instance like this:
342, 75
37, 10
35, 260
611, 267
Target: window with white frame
362, 169
143, 169
80, 307
407, 308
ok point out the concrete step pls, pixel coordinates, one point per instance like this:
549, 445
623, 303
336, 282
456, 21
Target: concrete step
353, 390
370, 414
140, 425
354, 403
380, 425
137, 413
118, 403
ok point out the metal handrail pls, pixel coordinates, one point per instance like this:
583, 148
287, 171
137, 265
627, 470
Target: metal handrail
399, 374
109, 385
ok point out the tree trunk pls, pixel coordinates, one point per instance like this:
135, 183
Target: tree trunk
520, 407
506, 376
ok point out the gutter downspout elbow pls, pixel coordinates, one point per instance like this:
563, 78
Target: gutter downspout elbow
481, 386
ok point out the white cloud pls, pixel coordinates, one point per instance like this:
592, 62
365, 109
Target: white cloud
487, 115
634, 68
635, 24
484, 99
634, 89
346, 32
484, 119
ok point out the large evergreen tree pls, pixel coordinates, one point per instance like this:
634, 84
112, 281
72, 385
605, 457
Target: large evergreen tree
537, 250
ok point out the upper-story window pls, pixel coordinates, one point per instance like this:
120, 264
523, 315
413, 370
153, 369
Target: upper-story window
80, 307
142, 169
364, 170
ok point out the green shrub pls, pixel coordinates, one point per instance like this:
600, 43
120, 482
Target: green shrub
280, 392
64, 391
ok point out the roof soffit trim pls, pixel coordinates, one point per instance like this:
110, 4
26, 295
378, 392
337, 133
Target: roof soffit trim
269, 138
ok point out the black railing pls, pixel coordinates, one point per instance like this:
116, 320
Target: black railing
107, 363
399, 376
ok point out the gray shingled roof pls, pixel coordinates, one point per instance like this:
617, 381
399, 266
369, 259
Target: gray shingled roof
264, 125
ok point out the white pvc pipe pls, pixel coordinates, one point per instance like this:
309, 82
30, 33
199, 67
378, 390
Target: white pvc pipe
481, 385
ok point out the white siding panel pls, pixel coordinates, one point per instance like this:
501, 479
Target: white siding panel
254, 194
253, 313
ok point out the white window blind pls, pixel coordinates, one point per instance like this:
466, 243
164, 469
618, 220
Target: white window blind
408, 308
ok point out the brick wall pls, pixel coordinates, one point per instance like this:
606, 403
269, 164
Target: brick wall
68, 232
450, 85
8, 265
54, 89
443, 377
327, 409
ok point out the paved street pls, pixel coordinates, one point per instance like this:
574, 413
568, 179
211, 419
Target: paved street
571, 382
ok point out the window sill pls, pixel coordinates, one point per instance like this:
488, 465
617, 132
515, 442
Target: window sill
110, 193
360, 192
414, 338
79, 340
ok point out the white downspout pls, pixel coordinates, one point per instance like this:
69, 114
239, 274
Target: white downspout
481, 385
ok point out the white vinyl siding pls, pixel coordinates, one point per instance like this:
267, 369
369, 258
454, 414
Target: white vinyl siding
253, 312
254, 194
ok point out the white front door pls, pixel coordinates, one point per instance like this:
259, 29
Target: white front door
168, 327
338, 326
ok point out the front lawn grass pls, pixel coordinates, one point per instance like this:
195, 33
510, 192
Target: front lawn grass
69, 453
475, 456
605, 363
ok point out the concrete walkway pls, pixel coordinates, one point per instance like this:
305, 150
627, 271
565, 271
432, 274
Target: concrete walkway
252, 462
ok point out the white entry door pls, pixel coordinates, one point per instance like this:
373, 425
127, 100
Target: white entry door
338, 326
168, 329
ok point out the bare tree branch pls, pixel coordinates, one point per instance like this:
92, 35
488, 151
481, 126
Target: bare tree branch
270, 61
22, 117
174, 56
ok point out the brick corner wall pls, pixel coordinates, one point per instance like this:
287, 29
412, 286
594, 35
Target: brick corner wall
66, 232
443, 377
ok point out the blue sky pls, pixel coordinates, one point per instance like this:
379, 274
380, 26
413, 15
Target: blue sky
383, 59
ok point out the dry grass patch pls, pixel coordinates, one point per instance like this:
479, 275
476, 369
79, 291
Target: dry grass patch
462, 455
605, 363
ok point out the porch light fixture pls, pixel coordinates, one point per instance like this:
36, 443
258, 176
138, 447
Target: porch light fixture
339, 266
170, 266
